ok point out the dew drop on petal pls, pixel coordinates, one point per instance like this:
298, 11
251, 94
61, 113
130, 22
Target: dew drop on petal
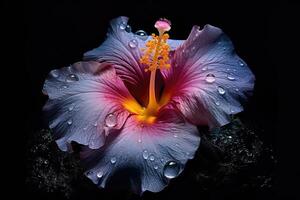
128, 28
142, 34
64, 86
155, 167
145, 154
230, 77
210, 78
70, 122
217, 103
95, 124
113, 160
89, 173
221, 90
54, 73
100, 174
72, 78
111, 120
71, 107
237, 89
139, 140
133, 43
175, 135
122, 25
241, 64
44, 91
204, 68
171, 169
84, 128
151, 157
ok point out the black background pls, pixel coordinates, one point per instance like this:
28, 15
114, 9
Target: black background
58, 32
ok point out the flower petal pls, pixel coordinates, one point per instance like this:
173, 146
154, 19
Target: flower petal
144, 152
122, 48
81, 97
208, 79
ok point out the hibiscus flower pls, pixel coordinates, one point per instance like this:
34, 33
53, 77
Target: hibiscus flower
135, 101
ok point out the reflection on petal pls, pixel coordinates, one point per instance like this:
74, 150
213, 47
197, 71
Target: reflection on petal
150, 155
81, 97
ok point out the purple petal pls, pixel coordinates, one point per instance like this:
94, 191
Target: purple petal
150, 155
122, 48
81, 99
207, 78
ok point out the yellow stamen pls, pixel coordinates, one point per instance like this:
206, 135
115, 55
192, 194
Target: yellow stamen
156, 56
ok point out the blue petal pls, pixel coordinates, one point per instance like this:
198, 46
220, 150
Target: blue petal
80, 98
144, 154
207, 79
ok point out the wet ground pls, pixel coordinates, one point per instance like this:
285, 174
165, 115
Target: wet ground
231, 163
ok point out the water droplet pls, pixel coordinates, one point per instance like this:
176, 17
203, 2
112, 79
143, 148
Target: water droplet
162, 160
221, 90
44, 91
142, 34
228, 69
193, 48
145, 154
151, 157
123, 25
171, 169
70, 122
95, 124
175, 135
210, 78
113, 160
72, 78
229, 136
231, 110
84, 128
71, 107
111, 120
128, 28
100, 174
133, 43
217, 103
241, 64
64, 86
230, 77
237, 89
204, 68
155, 167
89, 173
139, 140
54, 73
